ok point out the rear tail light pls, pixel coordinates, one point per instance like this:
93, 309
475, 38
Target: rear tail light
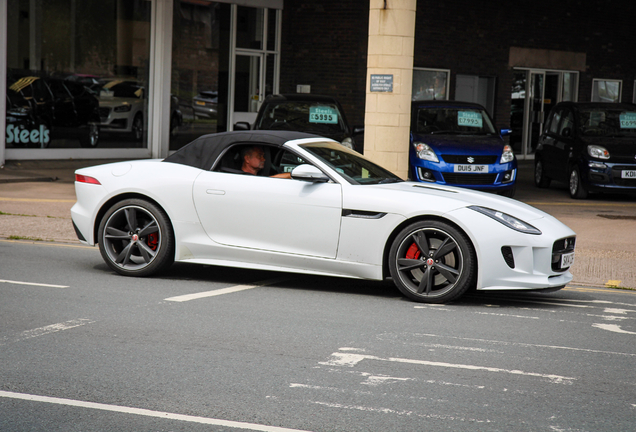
86, 179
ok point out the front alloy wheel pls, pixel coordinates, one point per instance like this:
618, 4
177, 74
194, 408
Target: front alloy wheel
540, 179
432, 262
136, 239
577, 189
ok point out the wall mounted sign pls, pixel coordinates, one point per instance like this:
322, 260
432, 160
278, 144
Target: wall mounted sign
381, 83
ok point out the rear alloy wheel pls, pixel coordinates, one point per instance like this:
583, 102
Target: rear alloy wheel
136, 238
91, 138
577, 189
138, 128
540, 179
432, 262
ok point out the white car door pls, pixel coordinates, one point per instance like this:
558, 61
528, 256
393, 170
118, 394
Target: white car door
274, 214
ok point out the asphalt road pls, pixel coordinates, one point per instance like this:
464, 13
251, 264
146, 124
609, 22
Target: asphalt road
205, 348
214, 349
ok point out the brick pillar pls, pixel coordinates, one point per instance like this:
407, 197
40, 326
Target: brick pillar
388, 113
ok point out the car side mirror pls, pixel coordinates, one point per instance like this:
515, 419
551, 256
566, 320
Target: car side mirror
567, 132
310, 173
357, 130
238, 126
505, 132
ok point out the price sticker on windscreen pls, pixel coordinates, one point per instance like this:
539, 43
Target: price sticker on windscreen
469, 118
628, 120
323, 114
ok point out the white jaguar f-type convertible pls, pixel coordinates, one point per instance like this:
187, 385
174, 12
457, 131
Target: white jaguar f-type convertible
336, 214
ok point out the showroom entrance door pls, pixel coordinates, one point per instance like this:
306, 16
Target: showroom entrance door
248, 86
534, 93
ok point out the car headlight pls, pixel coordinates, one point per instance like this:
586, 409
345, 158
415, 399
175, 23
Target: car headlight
509, 221
123, 108
598, 152
425, 152
508, 155
348, 143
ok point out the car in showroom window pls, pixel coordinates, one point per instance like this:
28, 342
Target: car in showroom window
43, 109
591, 146
316, 114
455, 143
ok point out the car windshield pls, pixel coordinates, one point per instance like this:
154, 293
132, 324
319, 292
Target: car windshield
350, 164
607, 122
122, 89
452, 121
320, 118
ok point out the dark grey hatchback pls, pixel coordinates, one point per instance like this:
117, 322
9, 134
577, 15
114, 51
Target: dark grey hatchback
589, 145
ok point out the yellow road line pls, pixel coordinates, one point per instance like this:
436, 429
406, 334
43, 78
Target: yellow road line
601, 290
48, 243
591, 204
37, 200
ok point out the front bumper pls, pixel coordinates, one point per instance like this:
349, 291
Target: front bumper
500, 177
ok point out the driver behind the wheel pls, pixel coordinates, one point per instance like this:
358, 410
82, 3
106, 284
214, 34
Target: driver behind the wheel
253, 158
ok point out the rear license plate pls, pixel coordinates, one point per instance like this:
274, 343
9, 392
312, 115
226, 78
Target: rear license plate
628, 174
200, 103
470, 168
567, 260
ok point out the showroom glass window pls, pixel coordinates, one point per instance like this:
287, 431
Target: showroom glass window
77, 73
200, 64
606, 90
430, 84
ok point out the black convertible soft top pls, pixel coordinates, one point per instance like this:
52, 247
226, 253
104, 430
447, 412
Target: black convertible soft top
202, 152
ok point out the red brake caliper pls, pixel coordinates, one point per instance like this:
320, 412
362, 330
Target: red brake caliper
413, 252
153, 241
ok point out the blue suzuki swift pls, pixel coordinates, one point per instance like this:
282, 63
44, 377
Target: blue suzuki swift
455, 143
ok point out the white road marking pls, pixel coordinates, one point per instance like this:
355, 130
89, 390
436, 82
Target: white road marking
33, 284
350, 360
613, 328
229, 290
53, 328
617, 311
530, 345
146, 413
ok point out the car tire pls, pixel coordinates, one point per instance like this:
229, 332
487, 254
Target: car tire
575, 185
136, 238
510, 193
432, 262
138, 127
91, 138
540, 179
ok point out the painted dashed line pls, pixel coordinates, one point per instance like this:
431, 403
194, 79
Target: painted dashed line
32, 284
146, 412
42, 331
351, 360
229, 290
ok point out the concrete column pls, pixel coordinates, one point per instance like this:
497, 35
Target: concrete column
388, 113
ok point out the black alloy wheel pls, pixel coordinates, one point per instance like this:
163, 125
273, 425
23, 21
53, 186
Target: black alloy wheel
136, 238
138, 128
577, 189
540, 179
91, 138
432, 262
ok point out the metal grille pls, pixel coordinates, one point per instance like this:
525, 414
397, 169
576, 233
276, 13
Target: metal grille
616, 174
559, 248
104, 112
463, 159
469, 179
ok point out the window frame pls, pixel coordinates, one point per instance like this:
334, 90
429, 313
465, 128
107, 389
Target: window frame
595, 83
437, 71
